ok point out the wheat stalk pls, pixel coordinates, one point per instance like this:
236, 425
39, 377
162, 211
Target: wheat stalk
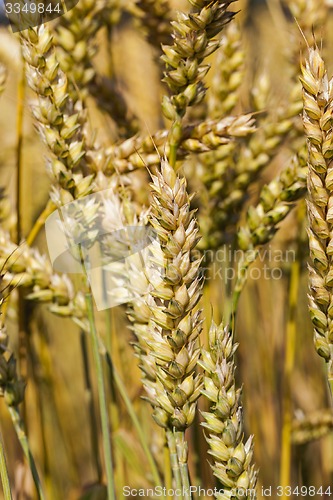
75, 42
193, 41
228, 73
224, 421
155, 20
166, 325
310, 14
276, 201
174, 326
60, 119
142, 151
307, 428
317, 120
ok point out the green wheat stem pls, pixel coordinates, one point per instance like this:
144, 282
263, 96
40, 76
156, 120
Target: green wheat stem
173, 155
241, 279
167, 469
114, 408
182, 453
4, 473
91, 408
122, 391
174, 461
22, 437
102, 398
174, 138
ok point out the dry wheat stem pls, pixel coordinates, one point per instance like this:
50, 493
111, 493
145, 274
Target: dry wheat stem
4, 472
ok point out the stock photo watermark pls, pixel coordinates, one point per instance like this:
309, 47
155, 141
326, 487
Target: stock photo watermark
268, 264
163, 492
24, 14
125, 262
199, 492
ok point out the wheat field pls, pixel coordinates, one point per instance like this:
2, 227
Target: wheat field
166, 213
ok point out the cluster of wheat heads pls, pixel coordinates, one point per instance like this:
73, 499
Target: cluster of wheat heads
205, 146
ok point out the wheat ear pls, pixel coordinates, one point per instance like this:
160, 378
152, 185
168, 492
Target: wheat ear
276, 201
155, 20
224, 421
317, 120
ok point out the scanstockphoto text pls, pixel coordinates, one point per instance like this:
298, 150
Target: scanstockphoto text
164, 492
198, 491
